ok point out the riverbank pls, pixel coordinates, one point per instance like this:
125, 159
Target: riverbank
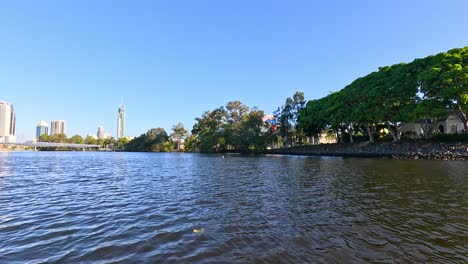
400, 150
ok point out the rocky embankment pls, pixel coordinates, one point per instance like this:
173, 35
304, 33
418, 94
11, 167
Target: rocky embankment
400, 150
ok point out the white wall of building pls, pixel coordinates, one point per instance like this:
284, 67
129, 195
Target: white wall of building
7, 123
58, 127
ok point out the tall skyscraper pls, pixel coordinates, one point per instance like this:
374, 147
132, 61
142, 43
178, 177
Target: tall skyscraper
57, 127
41, 129
121, 121
7, 123
100, 133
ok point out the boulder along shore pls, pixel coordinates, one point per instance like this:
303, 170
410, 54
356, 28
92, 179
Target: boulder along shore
399, 150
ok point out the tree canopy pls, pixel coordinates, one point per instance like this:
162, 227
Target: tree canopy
427, 88
155, 140
235, 127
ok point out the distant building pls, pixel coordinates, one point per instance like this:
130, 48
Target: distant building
325, 137
42, 128
270, 122
121, 122
57, 127
7, 123
452, 124
100, 133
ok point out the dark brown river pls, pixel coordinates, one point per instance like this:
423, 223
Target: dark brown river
89, 207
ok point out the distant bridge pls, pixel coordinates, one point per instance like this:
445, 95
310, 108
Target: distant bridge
53, 145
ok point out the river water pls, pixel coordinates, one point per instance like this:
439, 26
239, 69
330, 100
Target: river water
91, 207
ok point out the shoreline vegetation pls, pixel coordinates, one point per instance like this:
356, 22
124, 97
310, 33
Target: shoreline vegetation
365, 118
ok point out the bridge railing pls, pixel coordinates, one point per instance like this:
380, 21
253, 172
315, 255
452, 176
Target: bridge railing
52, 144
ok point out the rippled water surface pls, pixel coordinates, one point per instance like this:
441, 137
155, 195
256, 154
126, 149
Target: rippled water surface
67, 207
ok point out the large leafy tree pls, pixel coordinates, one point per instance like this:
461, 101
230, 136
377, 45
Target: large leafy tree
58, 138
252, 138
154, 140
122, 143
444, 78
44, 138
179, 133
236, 127
90, 140
76, 139
209, 130
424, 90
286, 117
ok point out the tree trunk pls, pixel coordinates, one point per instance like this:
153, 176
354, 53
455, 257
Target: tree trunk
350, 130
369, 132
464, 118
394, 131
425, 129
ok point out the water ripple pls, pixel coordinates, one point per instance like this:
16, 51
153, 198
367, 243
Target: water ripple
67, 207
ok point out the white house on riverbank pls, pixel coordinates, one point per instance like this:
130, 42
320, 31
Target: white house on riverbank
450, 125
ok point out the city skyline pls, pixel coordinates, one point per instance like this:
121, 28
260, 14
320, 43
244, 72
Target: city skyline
173, 61
8, 129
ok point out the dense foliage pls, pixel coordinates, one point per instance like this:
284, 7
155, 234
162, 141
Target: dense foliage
157, 140
234, 128
77, 139
286, 120
425, 89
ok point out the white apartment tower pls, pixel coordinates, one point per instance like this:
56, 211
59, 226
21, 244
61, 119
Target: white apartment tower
7, 123
100, 133
121, 122
57, 127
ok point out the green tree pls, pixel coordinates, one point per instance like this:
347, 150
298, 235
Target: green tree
44, 138
252, 137
444, 77
152, 141
109, 142
155, 139
209, 131
190, 144
122, 143
90, 140
58, 138
429, 111
76, 139
179, 133
238, 128
286, 117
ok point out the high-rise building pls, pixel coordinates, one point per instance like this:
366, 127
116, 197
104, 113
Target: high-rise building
57, 127
100, 133
7, 123
41, 129
121, 122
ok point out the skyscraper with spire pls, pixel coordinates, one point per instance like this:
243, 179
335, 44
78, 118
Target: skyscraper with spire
121, 121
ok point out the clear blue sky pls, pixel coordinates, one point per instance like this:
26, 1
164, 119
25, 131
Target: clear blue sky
172, 60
